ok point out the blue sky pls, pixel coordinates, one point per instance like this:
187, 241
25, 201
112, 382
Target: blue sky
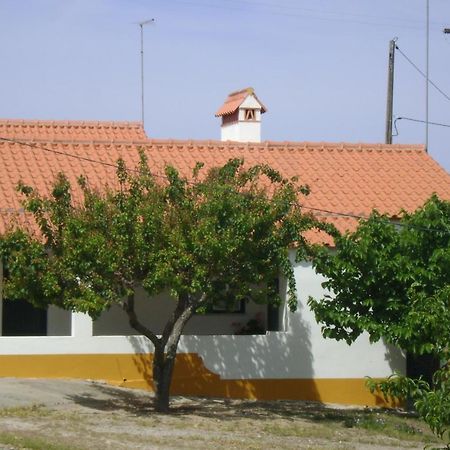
320, 66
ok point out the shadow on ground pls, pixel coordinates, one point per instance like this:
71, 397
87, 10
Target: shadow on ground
140, 403
110, 398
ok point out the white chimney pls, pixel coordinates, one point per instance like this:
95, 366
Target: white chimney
241, 117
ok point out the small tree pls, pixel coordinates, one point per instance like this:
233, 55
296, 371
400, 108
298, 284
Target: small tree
393, 281
220, 236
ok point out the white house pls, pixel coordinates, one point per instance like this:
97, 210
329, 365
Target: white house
291, 360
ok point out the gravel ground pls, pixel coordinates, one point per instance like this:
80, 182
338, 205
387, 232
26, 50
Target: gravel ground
74, 415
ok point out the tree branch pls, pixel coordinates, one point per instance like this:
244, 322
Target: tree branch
128, 307
190, 306
177, 329
180, 307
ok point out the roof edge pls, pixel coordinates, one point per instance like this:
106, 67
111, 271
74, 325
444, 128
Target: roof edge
37, 122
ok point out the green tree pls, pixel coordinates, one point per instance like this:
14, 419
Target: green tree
220, 235
392, 280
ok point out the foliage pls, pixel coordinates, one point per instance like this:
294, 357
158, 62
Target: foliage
392, 280
431, 402
221, 236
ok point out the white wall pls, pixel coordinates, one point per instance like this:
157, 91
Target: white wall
58, 322
298, 352
242, 131
154, 313
1, 297
251, 102
331, 358
301, 351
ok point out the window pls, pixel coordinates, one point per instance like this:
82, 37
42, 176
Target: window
238, 307
224, 307
273, 311
250, 114
20, 318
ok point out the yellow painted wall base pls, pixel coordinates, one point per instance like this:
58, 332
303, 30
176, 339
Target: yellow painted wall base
190, 377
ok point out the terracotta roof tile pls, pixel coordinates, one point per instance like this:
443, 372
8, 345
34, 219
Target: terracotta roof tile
343, 178
39, 130
234, 100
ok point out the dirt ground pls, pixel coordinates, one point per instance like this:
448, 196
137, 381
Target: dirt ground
74, 414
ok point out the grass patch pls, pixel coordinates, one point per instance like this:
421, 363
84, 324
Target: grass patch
388, 425
294, 430
25, 411
31, 442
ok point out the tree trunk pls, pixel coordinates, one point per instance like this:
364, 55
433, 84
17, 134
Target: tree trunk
166, 346
163, 365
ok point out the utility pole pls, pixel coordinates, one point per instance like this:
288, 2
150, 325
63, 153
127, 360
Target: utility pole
390, 92
141, 24
427, 76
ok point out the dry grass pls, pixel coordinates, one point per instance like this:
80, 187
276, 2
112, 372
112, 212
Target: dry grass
126, 423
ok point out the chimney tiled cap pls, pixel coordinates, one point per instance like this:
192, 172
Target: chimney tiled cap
235, 99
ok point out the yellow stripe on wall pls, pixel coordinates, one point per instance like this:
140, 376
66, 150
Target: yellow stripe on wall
190, 377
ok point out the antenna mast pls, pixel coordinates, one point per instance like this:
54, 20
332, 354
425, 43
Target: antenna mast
141, 24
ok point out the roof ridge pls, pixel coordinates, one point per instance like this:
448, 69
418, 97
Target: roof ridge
248, 90
297, 144
323, 145
344, 145
68, 123
75, 141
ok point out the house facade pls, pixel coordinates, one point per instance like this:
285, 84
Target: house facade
290, 359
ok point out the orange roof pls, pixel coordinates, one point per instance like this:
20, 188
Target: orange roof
344, 178
54, 130
235, 99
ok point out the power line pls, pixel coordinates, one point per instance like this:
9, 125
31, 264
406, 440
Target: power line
57, 152
284, 11
359, 217
71, 155
318, 11
422, 73
422, 121
327, 213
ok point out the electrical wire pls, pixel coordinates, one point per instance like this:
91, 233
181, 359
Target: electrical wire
58, 152
327, 212
71, 155
395, 128
420, 121
423, 74
283, 10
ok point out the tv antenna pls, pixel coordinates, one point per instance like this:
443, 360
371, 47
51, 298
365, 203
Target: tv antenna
141, 24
